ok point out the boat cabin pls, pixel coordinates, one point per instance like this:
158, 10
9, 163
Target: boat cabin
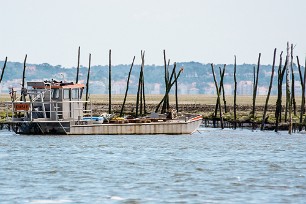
51, 100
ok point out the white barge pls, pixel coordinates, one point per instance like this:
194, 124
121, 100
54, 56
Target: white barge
57, 108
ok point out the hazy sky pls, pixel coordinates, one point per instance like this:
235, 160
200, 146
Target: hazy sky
207, 31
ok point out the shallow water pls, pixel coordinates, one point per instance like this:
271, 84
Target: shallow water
210, 166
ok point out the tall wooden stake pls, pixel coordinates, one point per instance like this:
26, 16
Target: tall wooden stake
222, 86
292, 85
3, 69
278, 111
110, 83
269, 91
87, 82
255, 89
218, 95
143, 87
166, 102
288, 99
302, 80
78, 67
176, 97
218, 102
304, 90
138, 92
23, 90
139, 98
235, 96
254, 77
127, 87
288, 94
169, 87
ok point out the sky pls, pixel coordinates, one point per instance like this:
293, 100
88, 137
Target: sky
205, 31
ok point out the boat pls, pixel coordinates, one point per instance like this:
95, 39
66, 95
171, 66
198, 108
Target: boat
54, 107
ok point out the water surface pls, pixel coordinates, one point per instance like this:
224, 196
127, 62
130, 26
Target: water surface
210, 166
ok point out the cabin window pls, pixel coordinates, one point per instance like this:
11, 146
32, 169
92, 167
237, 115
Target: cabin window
55, 94
66, 94
75, 93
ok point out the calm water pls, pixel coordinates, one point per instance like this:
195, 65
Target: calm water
213, 166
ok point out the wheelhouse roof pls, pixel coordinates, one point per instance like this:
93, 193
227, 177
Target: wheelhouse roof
57, 85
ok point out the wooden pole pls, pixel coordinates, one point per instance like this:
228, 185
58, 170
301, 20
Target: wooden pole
140, 96
282, 79
78, 67
255, 89
287, 85
278, 111
288, 94
218, 95
166, 75
269, 91
137, 97
3, 69
218, 102
292, 84
283, 74
143, 87
166, 105
110, 83
222, 85
23, 90
254, 77
169, 88
235, 96
87, 82
166, 101
127, 87
139, 92
176, 97
302, 80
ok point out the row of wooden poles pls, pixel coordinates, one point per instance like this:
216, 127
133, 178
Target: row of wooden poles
290, 104
170, 81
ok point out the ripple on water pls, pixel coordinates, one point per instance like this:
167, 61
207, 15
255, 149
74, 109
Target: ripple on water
50, 201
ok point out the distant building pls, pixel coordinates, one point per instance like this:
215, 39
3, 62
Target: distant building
192, 89
228, 89
209, 89
262, 90
182, 88
119, 87
155, 88
245, 88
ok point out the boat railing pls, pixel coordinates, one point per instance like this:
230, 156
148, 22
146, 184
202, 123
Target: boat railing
31, 111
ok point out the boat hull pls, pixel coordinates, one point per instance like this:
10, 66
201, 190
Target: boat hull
87, 128
137, 128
